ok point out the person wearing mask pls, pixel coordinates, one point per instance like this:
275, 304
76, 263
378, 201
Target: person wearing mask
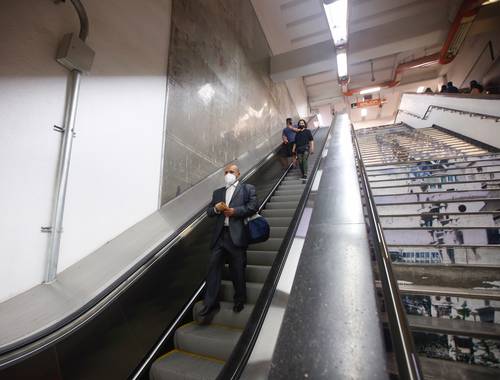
303, 146
475, 87
230, 205
288, 137
451, 89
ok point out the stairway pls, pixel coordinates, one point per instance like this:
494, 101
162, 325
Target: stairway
438, 199
201, 350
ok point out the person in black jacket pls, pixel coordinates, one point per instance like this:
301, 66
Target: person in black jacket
303, 146
231, 205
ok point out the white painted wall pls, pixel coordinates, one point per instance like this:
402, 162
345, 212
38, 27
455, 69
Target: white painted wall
325, 115
484, 130
115, 169
392, 97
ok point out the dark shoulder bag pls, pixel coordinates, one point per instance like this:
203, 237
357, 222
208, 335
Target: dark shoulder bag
258, 229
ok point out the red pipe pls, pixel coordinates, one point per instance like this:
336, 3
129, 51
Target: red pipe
466, 14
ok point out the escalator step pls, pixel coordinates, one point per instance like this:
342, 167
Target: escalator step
272, 244
281, 205
211, 341
226, 316
279, 222
292, 187
179, 365
268, 213
288, 192
253, 291
286, 198
261, 257
278, 232
253, 273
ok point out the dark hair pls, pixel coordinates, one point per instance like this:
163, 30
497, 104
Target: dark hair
288, 120
450, 83
305, 123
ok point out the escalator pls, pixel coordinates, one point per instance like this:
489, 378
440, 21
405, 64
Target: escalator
200, 351
139, 316
438, 202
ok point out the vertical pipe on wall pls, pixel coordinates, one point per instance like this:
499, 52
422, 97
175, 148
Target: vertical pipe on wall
62, 176
77, 57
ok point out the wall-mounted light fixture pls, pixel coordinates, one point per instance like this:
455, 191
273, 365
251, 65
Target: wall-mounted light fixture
336, 14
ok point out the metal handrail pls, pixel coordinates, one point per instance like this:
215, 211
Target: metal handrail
433, 176
406, 354
436, 201
438, 183
402, 163
453, 110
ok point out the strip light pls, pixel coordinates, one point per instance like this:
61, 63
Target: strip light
369, 90
342, 64
336, 14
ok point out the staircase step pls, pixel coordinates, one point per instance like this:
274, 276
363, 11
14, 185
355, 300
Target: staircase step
292, 187
435, 369
226, 316
429, 290
261, 257
253, 291
207, 340
253, 273
289, 192
180, 365
454, 326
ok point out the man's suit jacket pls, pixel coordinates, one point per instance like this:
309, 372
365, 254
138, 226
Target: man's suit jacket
244, 202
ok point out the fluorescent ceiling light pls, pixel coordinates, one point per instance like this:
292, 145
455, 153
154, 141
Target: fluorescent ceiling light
342, 64
490, 2
420, 89
336, 14
364, 112
370, 90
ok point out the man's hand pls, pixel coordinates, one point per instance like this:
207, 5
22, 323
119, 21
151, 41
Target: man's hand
229, 212
221, 206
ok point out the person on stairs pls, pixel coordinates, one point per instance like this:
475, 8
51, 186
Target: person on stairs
230, 205
303, 146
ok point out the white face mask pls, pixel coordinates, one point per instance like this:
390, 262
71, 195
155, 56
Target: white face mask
229, 179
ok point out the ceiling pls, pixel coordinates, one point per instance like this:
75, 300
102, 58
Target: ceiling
384, 33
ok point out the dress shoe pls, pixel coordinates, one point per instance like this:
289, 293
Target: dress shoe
238, 307
208, 310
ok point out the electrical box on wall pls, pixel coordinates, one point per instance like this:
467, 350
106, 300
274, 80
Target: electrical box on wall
74, 54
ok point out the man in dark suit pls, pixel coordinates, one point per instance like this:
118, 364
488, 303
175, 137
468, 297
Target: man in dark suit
230, 205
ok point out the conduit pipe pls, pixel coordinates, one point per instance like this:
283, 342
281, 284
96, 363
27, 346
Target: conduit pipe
64, 57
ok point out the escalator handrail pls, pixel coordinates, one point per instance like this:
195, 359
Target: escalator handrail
236, 363
406, 354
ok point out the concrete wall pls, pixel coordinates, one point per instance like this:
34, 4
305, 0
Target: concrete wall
222, 103
115, 169
484, 130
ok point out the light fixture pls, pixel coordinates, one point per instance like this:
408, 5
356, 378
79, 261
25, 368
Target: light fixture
364, 112
336, 14
370, 90
342, 64
420, 89
489, 2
